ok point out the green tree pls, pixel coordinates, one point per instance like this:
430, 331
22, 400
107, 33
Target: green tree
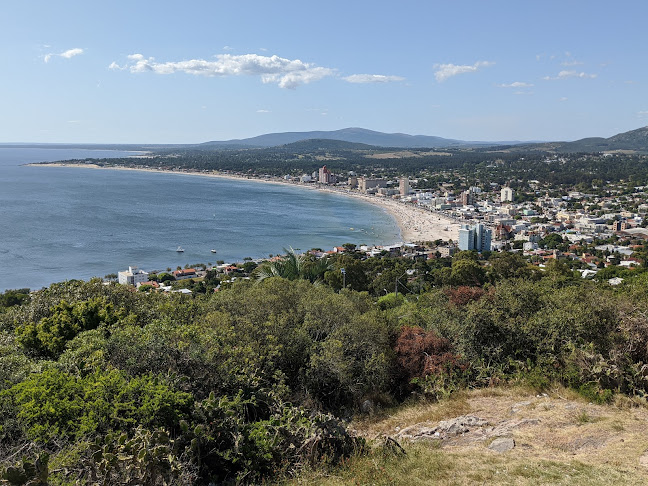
507, 265
48, 336
467, 272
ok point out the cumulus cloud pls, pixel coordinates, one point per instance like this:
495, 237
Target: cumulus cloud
372, 78
516, 84
286, 73
70, 53
445, 71
570, 74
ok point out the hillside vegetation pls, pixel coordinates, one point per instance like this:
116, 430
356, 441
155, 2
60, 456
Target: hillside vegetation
103, 385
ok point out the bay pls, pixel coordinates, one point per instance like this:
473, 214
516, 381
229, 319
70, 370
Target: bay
60, 223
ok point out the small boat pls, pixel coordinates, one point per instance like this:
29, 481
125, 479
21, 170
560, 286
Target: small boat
213, 251
180, 249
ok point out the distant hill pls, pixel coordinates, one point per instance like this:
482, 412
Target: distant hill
318, 144
353, 135
634, 140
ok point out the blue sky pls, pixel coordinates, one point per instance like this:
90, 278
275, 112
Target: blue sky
171, 72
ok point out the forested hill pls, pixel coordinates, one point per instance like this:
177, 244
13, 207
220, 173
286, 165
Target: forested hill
355, 135
632, 141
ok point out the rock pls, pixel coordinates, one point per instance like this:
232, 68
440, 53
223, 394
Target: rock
446, 429
368, 407
643, 460
517, 406
502, 444
460, 425
505, 428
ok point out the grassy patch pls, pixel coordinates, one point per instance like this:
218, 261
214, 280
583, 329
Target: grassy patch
424, 465
410, 414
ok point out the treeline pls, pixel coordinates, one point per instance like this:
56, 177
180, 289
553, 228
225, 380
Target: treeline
103, 385
477, 165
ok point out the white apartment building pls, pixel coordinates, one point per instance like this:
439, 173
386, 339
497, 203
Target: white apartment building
132, 276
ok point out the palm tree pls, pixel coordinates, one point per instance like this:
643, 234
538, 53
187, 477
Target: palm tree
293, 266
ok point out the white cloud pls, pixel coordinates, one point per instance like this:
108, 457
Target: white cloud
564, 98
286, 73
516, 84
372, 78
228, 48
445, 71
642, 114
263, 111
570, 74
70, 53
571, 63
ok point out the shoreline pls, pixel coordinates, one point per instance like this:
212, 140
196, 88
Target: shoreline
415, 223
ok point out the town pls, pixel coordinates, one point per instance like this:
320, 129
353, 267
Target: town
598, 233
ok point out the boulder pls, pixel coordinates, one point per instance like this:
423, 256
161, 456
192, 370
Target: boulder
502, 444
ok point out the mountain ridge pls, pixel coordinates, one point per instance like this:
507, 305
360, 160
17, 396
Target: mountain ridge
353, 135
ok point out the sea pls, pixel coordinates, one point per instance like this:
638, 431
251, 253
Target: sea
63, 223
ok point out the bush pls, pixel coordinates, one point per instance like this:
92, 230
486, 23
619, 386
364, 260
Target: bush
428, 361
54, 404
49, 336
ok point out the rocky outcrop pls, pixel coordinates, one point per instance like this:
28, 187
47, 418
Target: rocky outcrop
467, 428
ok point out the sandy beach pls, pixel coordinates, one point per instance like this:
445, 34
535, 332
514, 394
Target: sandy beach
415, 223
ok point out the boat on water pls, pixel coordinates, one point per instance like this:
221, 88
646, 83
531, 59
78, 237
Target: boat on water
180, 249
213, 251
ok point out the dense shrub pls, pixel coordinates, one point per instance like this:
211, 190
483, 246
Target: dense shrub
54, 405
426, 360
240, 385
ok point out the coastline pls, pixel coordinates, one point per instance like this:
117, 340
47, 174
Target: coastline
415, 223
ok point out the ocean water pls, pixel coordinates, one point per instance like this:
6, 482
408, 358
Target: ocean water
60, 223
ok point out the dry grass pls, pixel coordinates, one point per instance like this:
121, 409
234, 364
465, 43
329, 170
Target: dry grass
403, 154
424, 466
575, 443
386, 424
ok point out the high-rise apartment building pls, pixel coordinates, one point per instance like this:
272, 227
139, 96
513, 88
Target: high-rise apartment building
476, 237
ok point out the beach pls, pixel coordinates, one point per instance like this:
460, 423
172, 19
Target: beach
415, 223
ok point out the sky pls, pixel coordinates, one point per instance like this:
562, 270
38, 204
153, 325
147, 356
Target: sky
194, 71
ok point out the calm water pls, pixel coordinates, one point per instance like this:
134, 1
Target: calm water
60, 223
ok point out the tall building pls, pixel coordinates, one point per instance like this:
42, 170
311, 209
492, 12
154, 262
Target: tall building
366, 184
476, 237
506, 194
403, 186
326, 176
467, 198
